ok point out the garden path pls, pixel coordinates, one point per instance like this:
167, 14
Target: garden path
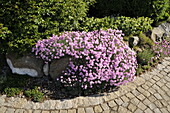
149, 93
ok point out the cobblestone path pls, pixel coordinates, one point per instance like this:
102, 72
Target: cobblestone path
149, 93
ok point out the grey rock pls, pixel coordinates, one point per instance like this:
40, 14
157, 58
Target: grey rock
133, 41
160, 32
25, 65
46, 69
58, 66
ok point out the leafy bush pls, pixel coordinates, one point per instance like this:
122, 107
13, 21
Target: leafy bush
145, 40
133, 25
156, 9
31, 20
98, 57
126, 24
4, 33
12, 91
35, 94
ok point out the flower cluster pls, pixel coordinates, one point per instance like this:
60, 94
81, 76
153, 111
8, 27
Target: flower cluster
98, 56
162, 48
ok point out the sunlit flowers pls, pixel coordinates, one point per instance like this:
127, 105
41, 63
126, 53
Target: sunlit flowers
96, 57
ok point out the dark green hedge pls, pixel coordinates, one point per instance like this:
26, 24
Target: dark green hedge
4, 33
31, 20
155, 9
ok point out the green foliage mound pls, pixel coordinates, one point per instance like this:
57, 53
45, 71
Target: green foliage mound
35, 94
12, 91
127, 24
145, 57
31, 20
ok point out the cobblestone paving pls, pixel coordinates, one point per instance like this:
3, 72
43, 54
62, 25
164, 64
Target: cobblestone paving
149, 93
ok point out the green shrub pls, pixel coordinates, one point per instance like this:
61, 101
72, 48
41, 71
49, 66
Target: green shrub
127, 24
4, 33
144, 40
34, 94
156, 9
12, 91
145, 57
31, 20
133, 25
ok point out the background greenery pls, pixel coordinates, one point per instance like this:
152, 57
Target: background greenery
155, 9
31, 20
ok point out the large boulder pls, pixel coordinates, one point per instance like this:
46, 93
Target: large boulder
58, 66
25, 65
160, 32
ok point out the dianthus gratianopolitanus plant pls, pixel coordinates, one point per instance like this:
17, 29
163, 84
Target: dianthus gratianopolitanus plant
97, 57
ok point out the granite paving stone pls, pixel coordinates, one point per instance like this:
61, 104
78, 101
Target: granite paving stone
148, 111
10, 110
20, 111
63, 111
122, 109
164, 103
2, 109
152, 106
55, 111
146, 93
142, 106
45, 112
37, 111
107, 111
157, 110
125, 104
29, 111
114, 108
141, 97
136, 93
119, 101
138, 111
132, 107
81, 110
89, 110
152, 90
164, 110
135, 101
147, 102
105, 106
98, 109
72, 111
158, 104
112, 103
152, 98
158, 96
130, 95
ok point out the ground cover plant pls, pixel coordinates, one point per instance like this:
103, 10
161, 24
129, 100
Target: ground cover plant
150, 57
